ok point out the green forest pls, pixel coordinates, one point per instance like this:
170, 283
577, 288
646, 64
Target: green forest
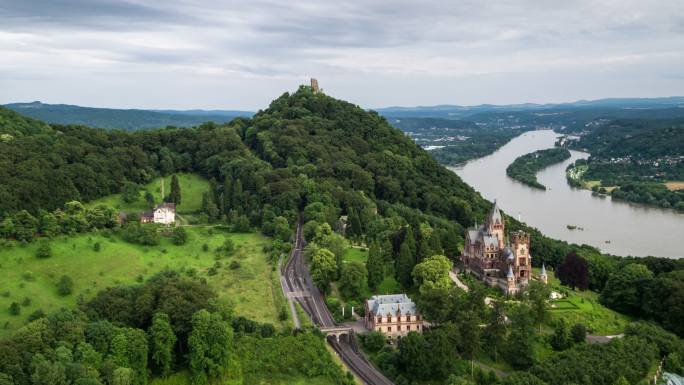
636, 160
379, 213
525, 168
457, 141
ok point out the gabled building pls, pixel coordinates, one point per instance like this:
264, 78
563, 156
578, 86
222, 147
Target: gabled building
164, 213
393, 315
502, 263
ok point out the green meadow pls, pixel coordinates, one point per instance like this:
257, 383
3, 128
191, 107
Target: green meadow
252, 287
584, 307
192, 187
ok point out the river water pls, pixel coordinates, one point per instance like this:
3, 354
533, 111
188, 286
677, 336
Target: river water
631, 229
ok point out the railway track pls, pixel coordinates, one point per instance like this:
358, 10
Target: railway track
299, 285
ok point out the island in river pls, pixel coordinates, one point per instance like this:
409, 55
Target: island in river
615, 227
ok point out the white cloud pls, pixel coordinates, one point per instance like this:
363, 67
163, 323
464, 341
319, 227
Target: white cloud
241, 54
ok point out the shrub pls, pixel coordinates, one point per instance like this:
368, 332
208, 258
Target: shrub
234, 265
205, 247
65, 285
15, 309
97, 247
26, 301
180, 236
578, 333
373, 341
36, 315
44, 250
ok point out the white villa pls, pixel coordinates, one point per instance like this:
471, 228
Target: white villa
164, 213
393, 315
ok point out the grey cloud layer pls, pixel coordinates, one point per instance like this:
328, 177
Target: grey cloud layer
448, 51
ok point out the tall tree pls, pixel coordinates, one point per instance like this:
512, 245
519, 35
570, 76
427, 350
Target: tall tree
560, 340
323, 268
353, 279
175, 194
574, 271
538, 296
210, 342
520, 344
496, 329
404, 265
470, 338
432, 272
623, 289
375, 266
162, 342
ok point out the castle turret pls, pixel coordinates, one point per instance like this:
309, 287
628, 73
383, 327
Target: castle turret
543, 277
510, 281
494, 224
314, 86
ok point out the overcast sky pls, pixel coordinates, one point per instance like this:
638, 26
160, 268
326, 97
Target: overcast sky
242, 54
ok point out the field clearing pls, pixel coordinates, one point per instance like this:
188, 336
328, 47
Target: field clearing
583, 307
192, 187
674, 186
248, 288
356, 254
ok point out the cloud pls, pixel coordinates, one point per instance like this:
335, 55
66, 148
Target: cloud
463, 51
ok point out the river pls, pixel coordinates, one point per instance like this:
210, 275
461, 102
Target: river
631, 229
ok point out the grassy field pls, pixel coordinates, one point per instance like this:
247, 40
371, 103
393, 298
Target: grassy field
249, 287
388, 286
356, 254
584, 307
192, 187
674, 185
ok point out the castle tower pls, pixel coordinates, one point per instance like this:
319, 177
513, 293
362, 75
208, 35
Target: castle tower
494, 224
523, 260
510, 281
544, 278
314, 86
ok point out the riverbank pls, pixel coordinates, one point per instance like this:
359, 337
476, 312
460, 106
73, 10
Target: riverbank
631, 229
524, 168
666, 195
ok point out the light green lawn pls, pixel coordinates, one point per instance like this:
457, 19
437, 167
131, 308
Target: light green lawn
192, 187
355, 254
584, 307
249, 288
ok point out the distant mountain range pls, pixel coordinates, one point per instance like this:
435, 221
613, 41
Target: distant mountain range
133, 119
461, 112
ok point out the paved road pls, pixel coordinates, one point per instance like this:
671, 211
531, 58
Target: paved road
297, 285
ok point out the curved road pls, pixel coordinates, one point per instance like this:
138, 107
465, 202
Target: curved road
298, 285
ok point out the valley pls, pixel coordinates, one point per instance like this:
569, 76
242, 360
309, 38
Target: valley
354, 209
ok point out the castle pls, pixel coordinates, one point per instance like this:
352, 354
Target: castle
498, 262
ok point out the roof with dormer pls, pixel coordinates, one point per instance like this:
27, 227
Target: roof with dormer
391, 304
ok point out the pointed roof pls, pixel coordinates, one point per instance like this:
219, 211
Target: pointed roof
543, 270
510, 272
495, 214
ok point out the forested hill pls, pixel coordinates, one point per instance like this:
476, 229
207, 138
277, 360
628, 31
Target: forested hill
305, 147
636, 138
14, 125
127, 119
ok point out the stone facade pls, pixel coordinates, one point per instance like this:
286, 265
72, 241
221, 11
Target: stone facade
393, 315
314, 86
500, 263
